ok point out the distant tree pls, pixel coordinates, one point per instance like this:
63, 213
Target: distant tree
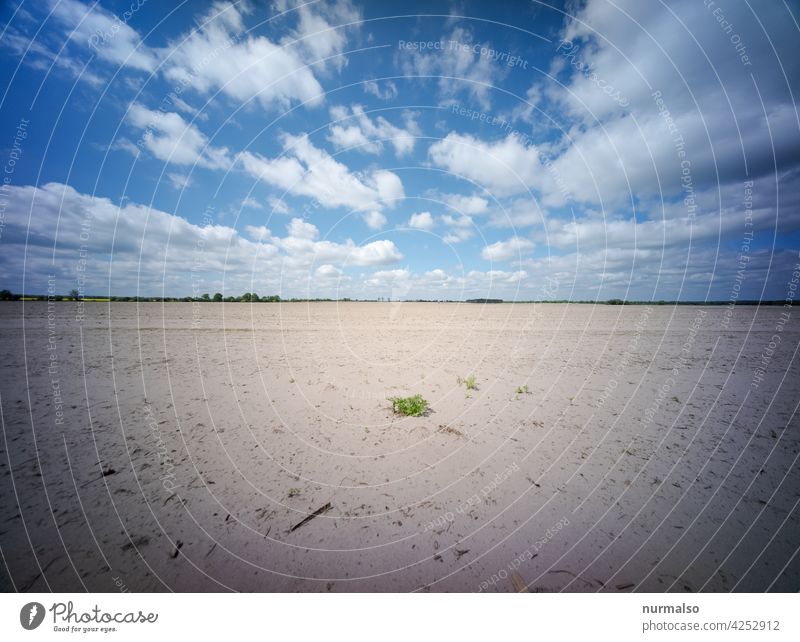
205, 297
217, 297
74, 294
246, 297
6, 295
254, 298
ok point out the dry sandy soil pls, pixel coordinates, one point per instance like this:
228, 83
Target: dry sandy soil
174, 447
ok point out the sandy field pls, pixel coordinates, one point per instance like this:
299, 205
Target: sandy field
180, 447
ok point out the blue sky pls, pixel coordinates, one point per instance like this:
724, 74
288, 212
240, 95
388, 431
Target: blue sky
404, 150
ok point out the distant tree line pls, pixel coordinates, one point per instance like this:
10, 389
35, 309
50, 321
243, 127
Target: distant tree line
74, 295
252, 297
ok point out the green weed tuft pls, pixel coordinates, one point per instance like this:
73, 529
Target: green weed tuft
411, 406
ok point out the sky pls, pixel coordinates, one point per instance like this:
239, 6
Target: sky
437, 150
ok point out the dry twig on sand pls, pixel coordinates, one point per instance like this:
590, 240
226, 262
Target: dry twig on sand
319, 511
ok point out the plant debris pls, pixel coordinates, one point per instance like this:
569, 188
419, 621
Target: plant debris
316, 513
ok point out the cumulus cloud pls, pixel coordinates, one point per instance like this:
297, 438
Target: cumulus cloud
422, 221
250, 203
155, 252
375, 220
278, 206
460, 228
179, 181
104, 33
459, 69
504, 167
726, 126
322, 28
386, 90
220, 54
508, 250
298, 228
355, 129
258, 232
403, 283
469, 204
168, 137
305, 170
328, 272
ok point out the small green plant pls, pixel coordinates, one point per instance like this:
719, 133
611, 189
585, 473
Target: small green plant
471, 383
523, 390
293, 492
410, 406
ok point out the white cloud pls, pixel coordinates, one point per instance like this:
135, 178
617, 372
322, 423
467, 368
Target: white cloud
179, 181
318, 35
258, 232
459, 68
375, 220
328, 272
375, 253
388, 186
220, 55
437, 276
188, 109
356, 130
458, 235
614, 154
388, 93
244, 68
461, 228
422, 221
250, 203
462, 221
278, 206
519, 213
104, 33
469, 205
170, 138
382, 277
125, 145
511, 249
39, 56
155, 252
306, 170
402, 284
499, 276
304, 252
298, 228
504, 167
